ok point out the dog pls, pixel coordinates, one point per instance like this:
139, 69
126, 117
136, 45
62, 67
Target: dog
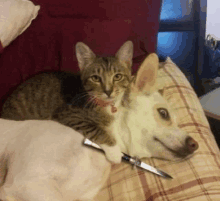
42, 160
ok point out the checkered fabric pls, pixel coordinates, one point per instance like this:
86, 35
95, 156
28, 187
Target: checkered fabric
197, 178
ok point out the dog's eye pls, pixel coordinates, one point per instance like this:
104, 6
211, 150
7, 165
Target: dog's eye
118, 77
164, 113
96, 78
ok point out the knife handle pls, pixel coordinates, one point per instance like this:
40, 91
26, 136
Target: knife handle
125, 157
92, 144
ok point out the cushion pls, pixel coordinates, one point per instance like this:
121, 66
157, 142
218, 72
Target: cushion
197, 178
15, 17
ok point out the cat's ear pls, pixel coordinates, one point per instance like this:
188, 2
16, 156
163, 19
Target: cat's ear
147, 74
125, 54
84, 55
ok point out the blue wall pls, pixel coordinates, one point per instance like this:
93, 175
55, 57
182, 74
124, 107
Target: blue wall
171, 9
180, 46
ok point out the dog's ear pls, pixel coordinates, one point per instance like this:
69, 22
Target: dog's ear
161, 91
169, 60
147, 74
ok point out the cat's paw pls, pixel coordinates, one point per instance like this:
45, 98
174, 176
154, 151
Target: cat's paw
113, 153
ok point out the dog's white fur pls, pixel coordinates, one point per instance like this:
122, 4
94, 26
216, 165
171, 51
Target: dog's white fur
46, 161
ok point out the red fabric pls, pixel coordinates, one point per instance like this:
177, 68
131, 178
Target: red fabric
1, 47
49, 43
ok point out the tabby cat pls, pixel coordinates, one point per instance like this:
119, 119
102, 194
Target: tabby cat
85, 101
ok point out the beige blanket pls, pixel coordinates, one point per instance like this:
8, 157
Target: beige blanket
197, 178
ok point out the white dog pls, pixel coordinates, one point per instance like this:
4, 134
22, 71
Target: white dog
46, 161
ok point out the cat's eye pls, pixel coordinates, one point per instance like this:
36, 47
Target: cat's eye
118, 77
164, 113
96, 78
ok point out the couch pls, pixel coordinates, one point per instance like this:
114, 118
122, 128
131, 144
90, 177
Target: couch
47, 43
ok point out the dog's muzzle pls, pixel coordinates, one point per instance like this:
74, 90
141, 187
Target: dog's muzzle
186, 149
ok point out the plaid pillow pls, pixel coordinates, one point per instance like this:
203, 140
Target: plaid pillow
197, 178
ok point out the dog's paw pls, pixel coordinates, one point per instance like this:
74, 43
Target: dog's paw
113, 153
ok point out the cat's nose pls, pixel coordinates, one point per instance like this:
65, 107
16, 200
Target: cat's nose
108, 92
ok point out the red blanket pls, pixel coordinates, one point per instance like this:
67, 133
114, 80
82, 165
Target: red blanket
49, 42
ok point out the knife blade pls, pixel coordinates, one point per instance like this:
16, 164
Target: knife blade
132, 160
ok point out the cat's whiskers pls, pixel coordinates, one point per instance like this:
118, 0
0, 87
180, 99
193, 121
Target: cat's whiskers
90, 101
79, 96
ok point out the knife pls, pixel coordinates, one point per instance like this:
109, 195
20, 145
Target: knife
132, 160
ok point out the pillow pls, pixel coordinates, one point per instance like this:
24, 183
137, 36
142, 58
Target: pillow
15, 18
197, 178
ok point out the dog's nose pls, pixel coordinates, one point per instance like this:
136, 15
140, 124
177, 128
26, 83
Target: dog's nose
191, 144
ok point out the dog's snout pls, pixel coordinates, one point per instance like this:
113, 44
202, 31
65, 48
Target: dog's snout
191, 144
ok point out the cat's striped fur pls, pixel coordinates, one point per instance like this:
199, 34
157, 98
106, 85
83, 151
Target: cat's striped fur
71, 98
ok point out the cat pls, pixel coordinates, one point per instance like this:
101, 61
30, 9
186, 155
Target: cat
85, 101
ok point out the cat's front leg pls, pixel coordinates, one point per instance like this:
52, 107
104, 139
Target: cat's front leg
107, 142
113, 153
94, 126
